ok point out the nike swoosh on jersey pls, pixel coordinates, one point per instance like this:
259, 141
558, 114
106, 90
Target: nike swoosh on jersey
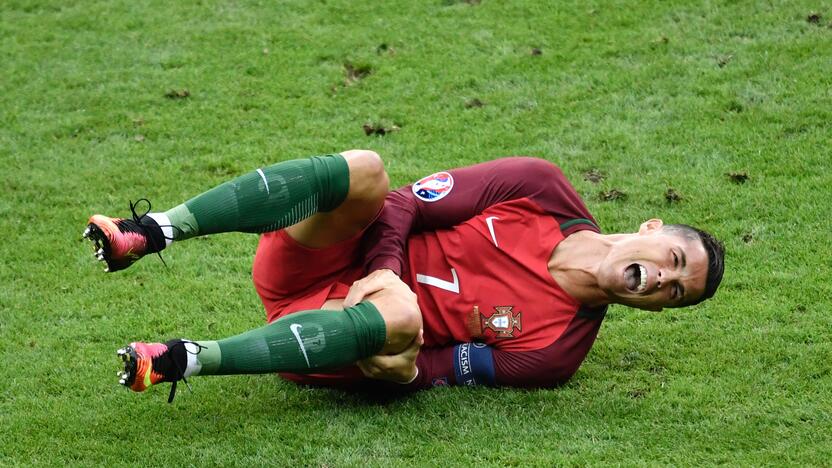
295, 327
490, 222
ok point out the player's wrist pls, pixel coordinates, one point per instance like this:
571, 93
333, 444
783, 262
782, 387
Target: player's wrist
386, 262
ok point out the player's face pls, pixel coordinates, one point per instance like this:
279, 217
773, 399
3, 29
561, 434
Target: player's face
654, 269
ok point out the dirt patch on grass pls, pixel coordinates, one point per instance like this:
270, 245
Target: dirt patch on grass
178, 94
612, 195
378, 129
384, 48
724, 60
672, 196
594, 175
473, 103
737, 177
355, 72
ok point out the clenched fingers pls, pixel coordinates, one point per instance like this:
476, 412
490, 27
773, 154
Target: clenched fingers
397, 367
372, 283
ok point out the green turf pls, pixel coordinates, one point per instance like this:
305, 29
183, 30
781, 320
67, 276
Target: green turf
655, 95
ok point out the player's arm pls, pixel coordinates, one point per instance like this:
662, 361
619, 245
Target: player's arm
471, 364
479, 364
474, 189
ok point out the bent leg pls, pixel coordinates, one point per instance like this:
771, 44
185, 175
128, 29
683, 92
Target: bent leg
302, 342
321, 250
368, 186
263, 200
315, 340
321, 200
347, 191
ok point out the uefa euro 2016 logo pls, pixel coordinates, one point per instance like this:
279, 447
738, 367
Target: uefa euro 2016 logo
434, 187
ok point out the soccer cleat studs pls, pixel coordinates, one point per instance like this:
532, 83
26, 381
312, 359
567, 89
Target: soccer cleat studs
120, 242
147, 364
127, 355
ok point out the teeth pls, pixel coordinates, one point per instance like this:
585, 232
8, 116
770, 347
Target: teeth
643, 284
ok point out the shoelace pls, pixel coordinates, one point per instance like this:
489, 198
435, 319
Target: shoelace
181, 371
146, 229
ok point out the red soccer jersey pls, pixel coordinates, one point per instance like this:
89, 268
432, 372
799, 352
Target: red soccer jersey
487, 279
474, 244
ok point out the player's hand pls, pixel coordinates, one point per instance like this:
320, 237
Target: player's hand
372, 283
399, 368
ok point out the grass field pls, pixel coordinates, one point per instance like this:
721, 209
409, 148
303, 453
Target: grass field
101, 102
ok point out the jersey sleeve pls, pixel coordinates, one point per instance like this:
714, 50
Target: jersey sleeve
479, 364
474, 189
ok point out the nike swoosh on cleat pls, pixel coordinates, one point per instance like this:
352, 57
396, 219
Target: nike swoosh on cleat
490, 222
295, 327
147, 382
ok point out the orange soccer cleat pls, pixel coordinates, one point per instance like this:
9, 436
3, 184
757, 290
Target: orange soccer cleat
120, 242
147, 364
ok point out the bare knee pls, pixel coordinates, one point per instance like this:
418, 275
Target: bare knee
402, 318
368, 178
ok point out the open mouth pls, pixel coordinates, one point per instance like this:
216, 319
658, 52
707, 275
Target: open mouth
635, 277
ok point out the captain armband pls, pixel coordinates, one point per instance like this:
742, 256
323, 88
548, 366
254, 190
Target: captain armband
474, 364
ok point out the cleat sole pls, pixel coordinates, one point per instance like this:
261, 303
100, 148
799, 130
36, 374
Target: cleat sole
101, 245
129, 358
103, 251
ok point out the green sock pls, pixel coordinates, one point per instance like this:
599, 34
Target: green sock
302, 342
265, 200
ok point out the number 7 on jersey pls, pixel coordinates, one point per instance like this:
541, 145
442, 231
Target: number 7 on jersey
451, 286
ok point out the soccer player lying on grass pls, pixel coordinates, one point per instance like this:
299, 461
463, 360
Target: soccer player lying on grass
491, 274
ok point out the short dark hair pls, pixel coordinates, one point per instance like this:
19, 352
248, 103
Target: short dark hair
716, 258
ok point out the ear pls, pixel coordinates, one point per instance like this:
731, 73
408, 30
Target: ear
650, 226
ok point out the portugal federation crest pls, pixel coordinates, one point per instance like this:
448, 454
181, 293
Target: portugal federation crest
503, 322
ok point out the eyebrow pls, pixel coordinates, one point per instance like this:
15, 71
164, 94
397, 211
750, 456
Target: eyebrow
684, 257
